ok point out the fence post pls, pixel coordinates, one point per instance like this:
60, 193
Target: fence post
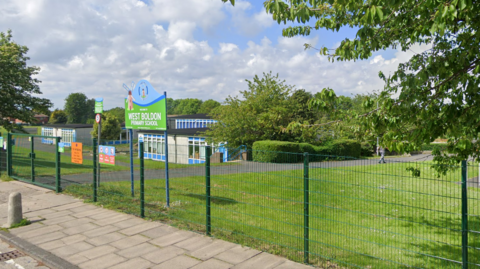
94, 169
32, 157
9, 154
58, 187
464, 216
142, 181
208, 152
305, 206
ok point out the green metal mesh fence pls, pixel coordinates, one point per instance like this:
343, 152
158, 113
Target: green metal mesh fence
324, 210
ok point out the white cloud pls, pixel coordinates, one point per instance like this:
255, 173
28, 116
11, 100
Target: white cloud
95, 46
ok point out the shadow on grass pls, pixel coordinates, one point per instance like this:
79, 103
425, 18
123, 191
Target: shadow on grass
219, 200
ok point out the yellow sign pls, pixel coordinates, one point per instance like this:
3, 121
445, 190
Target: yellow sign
77, 153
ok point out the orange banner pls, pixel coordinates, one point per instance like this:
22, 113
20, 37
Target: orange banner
77, 153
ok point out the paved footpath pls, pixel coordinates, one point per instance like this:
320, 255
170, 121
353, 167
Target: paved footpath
77, 235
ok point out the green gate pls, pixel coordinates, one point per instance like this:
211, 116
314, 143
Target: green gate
34, 159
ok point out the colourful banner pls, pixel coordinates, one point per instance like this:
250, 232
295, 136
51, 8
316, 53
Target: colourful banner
106, 155
145, 108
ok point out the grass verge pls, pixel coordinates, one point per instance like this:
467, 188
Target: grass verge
372, 216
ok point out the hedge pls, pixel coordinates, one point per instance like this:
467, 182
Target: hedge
290, 152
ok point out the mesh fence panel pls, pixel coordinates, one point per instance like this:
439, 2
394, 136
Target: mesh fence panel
327, 210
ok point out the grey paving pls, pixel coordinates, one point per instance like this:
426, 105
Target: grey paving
77, 235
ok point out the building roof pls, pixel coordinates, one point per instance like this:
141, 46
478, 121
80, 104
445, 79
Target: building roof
40, 116
191, 131
192, 116
73, 126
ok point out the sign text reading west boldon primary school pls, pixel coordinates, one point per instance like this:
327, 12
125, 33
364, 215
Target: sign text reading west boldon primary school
145, 108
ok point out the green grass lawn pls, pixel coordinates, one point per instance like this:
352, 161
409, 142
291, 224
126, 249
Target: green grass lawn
374, 216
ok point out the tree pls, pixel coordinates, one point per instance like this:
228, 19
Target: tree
58, 117
18, 88
79, 108
118, 112
111, 128
434, 94
207, 106
260, 114
188, 106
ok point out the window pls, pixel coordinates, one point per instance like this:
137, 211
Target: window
68, 137
197, 150
193, 123
47, 132
153, 146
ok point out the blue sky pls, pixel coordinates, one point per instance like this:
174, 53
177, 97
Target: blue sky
191, 48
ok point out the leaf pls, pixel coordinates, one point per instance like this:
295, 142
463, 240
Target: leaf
380, 13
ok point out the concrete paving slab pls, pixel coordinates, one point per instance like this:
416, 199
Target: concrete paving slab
137, 251
105, 215
163, 254
72, 239
27, 228
36, 231
137, 263
89, 213
129, 222
140, 228
45, 238
208, 251
96, 252
159, 231
213, 264
77, 259
179, 262
56, 214
103, 262
84, 207
105, 239
171, 239
52, 245
237, 254
112, 220
49, 221
72, 205
194, 243
129, 241
262, 260
101, 231
293, 265
80, 228
69, 250
75, 222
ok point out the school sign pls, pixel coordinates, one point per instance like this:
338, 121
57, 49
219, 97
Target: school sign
145, 108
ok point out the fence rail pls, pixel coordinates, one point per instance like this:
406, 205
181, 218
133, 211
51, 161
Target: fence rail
327, 211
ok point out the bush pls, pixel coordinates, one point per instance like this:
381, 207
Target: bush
340, 148
440, 146
277, 151
290, 152
367, 149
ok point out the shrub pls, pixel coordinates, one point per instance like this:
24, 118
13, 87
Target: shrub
290, 152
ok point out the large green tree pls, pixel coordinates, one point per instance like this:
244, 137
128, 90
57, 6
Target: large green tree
118, 112
111, 128
261, 113
58, 117
19, 89
435, 93
208, 106
79, 108
188, 106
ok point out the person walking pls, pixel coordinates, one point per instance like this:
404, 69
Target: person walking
382, 154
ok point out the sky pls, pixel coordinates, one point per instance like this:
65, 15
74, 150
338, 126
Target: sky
202, 49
